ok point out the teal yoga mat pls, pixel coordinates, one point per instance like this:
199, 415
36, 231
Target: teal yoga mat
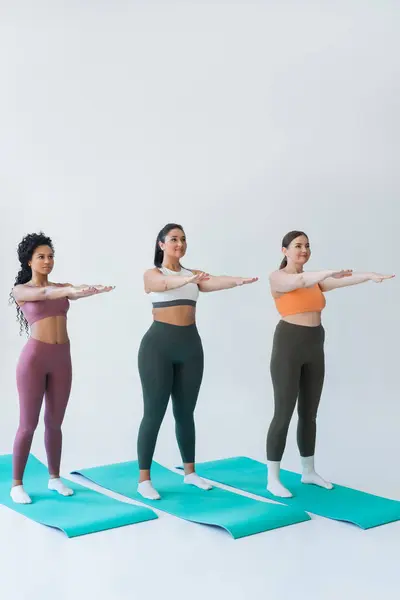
85, 512
238, 515
341, 503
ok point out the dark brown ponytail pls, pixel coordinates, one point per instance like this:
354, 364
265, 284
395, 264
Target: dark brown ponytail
283, 263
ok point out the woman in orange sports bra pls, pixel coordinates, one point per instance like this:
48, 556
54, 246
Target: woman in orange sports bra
297, 359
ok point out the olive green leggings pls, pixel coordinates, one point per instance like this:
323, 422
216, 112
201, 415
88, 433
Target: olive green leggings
297, 371
170, 363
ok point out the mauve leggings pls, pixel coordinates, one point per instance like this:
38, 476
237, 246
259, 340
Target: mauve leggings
42, 370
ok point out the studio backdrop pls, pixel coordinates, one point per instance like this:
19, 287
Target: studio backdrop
240, 127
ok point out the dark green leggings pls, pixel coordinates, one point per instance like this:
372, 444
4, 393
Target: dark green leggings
297, 371
170, 364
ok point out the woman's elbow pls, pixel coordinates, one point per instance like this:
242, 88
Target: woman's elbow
15, 295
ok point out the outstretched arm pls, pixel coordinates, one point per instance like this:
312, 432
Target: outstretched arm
332, 284
84, 290
30, 293
155, 281
282, 282
215, 283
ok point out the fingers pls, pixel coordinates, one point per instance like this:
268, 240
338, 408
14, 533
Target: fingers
91, 290
378, 278
343, 273
200, 277
103, 288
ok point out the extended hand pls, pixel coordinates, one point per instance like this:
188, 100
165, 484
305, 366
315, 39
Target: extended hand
103, 288
378, 278
343, 273
98, 287
79, 291
198, 278
246, 280
83, 291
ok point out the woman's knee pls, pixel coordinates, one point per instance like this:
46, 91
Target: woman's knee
27, 429
151, 423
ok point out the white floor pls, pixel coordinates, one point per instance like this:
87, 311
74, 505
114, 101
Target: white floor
171, 558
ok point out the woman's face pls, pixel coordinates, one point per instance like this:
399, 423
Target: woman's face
42, 261
175, 244
298, 251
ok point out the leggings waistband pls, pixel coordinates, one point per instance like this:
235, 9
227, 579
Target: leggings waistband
177, 332
44, 348
171, 326
299, 330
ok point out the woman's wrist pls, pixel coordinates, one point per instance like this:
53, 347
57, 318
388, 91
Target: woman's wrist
328, 274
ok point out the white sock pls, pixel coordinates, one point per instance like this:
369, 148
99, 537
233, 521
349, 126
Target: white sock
274, 484
309, 474
57, 485
19, 495
145, 489
194, 479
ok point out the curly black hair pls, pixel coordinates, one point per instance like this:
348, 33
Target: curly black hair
26, 248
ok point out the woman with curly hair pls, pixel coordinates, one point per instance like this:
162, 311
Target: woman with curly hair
44, 367
171, 355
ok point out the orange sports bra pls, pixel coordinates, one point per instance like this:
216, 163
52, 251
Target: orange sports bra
310, 299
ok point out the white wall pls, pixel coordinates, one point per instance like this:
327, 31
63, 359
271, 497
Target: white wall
241, 121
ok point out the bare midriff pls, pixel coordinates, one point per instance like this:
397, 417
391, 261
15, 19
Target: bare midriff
307, 319
50, 330
175, 315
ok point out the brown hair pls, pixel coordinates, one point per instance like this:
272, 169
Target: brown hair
287, 240
158, 253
